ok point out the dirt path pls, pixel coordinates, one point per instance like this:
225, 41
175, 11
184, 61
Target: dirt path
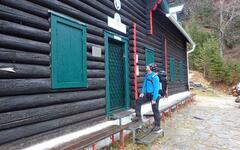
211, 123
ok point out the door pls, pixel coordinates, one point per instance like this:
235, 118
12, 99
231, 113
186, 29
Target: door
116, 74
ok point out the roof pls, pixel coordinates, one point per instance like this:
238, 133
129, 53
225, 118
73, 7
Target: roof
176, 9
180, 28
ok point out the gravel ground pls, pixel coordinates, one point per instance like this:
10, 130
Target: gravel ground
210, 123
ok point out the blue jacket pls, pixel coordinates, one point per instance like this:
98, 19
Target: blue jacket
151, 85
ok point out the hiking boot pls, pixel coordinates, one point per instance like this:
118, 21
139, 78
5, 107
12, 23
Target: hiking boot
136, 119
157, 129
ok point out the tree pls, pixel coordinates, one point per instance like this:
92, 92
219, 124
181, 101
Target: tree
217, 15
229, 10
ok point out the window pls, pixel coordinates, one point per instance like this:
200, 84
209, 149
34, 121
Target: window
180, 71
68, 52
172, 69
149, 56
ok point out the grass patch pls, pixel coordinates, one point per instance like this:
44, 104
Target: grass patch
204, 92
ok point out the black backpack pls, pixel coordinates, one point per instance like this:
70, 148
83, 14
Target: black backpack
163, 81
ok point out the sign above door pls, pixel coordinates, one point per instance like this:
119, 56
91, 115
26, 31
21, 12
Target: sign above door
115, 22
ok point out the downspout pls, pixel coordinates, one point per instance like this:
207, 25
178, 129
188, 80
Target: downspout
188, 52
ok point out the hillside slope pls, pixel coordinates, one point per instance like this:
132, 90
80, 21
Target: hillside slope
233, 54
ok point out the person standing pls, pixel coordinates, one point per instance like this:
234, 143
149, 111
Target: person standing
150, 93
238, 93
238, 89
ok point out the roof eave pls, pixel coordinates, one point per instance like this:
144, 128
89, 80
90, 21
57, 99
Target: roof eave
180, 28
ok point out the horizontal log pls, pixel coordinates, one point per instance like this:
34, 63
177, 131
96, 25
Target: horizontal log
19, 30
9, 55
24, 71
95, 39
141, 68
87, 9
17, 16
95, 30
39, 100
134, 16
24, 86
36, 71
41, 137
29, 130
138, 7
70, 11
95, 65
23, 44
96, 73
93, 58
28, 7
30, 86
40, 114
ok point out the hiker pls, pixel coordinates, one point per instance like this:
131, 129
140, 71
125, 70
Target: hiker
150, 93
238, 93
238, 89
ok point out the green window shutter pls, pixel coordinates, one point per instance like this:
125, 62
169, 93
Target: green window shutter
68, 52
180, 71
172, 69
149, 56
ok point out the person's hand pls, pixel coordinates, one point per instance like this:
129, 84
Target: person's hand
153, 102
141, 95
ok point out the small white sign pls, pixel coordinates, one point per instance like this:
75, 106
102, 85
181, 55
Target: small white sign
136, 58
137, 70
117, 38
96, 51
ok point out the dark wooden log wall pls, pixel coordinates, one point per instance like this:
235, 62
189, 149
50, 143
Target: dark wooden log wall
28, 105
176, 48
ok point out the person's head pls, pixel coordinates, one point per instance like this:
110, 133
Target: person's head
151, 67
148, 69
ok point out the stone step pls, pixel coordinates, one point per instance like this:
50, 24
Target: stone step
121, 114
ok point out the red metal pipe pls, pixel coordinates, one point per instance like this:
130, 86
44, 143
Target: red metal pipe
151, 22
135, 59
94, 147
113, 140
122, 139
151, 19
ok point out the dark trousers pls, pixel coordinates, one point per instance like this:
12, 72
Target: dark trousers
155, 109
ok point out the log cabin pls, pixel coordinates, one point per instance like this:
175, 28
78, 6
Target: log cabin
66, 65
